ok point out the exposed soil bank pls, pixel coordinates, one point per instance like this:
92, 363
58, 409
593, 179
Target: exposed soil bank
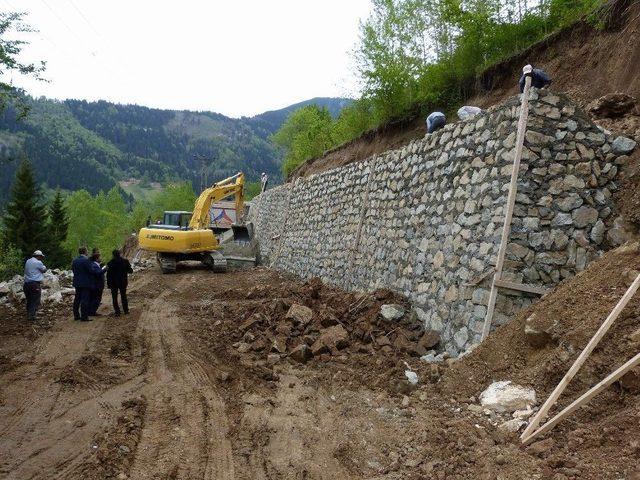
585, 62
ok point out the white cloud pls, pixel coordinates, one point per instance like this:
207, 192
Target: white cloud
237, 57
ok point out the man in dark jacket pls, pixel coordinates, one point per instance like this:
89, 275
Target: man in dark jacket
98, 283
118, 270
84, 273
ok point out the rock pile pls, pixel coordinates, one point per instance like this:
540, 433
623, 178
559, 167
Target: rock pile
365, 323
55, 286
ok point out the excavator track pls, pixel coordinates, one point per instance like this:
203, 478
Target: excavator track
215, 261
167, 263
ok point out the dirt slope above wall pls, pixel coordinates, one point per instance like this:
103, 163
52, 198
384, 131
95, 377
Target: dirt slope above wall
585, 62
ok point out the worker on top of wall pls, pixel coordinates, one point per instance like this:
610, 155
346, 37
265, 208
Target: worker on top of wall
264, 179
435, 121
539, 79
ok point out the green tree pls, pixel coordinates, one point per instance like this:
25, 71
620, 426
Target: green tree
84, 220
252, 189
10, 48
11, 261
57, 227
175, 196
25, 218
305, 134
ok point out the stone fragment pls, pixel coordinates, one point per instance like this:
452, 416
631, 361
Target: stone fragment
505, 396
392, 311
242, 347
300, 314
330, 339
536, 337
584, 216
279, 344
623, 145
301, 354
429, 340
597, 232
570, 202
512, 426
461, 337
562, 220
542, 447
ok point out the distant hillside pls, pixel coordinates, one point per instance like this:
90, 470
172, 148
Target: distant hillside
77, 144
269, 122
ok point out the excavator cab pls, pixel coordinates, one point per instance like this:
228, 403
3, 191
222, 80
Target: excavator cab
174, 220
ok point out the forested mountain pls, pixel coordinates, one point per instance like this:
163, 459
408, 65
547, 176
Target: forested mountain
76, 144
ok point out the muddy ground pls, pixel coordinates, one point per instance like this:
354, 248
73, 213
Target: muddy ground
200, 382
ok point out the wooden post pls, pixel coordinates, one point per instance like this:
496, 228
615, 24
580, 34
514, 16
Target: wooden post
592, 392
511, 200
364, 207
581, 359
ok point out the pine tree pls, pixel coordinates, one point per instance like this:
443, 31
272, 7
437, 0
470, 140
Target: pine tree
58, 226
25, 218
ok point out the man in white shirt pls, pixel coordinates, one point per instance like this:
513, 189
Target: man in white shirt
33, 276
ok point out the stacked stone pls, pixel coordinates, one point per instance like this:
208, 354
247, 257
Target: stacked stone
425, 220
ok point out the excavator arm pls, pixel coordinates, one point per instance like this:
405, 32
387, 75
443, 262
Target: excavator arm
230, 186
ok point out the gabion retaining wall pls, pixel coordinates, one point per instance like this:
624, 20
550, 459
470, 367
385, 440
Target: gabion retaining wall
425, 220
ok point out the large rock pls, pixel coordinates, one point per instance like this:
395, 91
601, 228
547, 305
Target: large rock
584, 216
301, 354
330, 339
392, 311
536, 336
505, 396
300, 314
623, 145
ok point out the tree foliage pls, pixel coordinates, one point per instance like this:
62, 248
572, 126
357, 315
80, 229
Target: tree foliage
10, 48
57, 228
26, 214
306, 133
423, 55
104, 220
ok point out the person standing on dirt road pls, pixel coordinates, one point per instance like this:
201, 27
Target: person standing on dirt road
84, 271
33, 276
97, 289
118, 270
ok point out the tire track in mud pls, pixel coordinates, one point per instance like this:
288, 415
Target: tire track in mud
46, 428
185, 430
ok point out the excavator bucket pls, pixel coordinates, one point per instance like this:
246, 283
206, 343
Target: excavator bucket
242, 233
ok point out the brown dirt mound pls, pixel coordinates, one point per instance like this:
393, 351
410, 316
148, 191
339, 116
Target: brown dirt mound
569, 315
286, 320
578, 58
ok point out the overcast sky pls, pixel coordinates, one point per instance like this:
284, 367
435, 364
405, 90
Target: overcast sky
236, 57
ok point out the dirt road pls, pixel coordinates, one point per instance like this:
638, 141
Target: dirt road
198, 382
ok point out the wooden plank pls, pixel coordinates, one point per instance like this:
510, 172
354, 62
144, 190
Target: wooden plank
541, 415
511, 200
365, 205
592, 392
522, 287
476, 280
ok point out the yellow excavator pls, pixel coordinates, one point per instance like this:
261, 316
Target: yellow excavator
189, 235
